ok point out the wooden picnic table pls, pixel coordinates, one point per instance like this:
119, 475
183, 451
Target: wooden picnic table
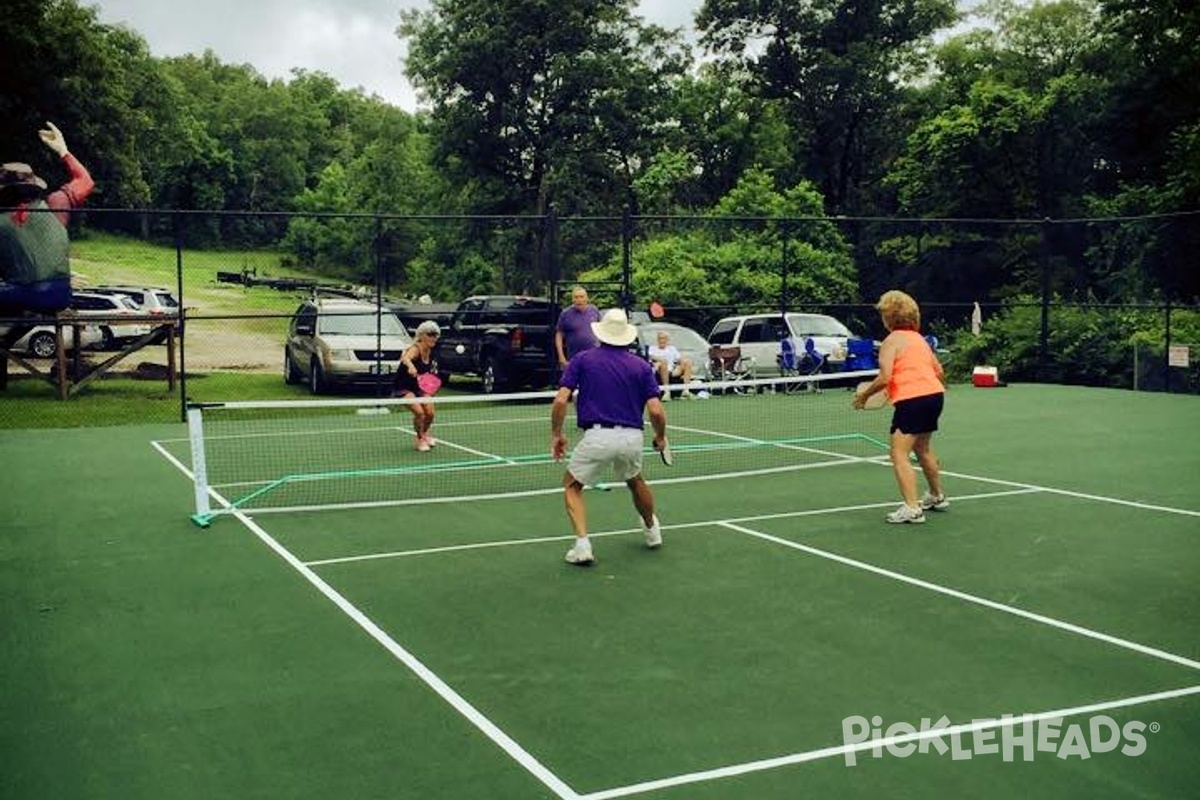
68, 373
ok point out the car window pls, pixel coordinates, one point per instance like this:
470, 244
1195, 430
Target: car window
470, 312
114, 291
167, 299
758, 329
816, 325
722, 332
682, 338
338, 323
686, 339
517, 310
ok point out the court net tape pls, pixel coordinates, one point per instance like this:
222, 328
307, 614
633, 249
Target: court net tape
276, 456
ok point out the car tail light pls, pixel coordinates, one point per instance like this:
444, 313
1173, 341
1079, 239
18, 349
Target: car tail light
516, 339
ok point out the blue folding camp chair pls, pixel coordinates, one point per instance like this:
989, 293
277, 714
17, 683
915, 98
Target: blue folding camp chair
812, 361
789, 362
860, 354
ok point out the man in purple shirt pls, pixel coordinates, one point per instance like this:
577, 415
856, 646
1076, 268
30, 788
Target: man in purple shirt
573, 334
614, 387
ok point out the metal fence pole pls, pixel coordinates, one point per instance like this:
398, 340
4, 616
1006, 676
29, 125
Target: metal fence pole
177, 231
626, 257
785, 265
1167, 351
1044, 334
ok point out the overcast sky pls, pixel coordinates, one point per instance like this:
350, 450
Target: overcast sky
353, 41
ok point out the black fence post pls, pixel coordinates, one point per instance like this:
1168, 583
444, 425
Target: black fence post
177, 234
548, 249
785, 267
1044, 334
1167, 350
377, 257
626, 258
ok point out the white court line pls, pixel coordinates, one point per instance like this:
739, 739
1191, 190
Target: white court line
765, 442
970, 598
426, 675
458, 548
474, 452
456, 701
1099, 498
861, 747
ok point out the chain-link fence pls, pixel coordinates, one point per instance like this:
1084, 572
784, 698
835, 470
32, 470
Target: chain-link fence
240, 278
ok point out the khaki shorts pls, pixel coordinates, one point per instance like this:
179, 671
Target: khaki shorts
601, 448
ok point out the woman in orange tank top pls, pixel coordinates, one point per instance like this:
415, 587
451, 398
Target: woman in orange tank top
911, 374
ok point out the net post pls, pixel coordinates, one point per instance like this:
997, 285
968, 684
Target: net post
195, 420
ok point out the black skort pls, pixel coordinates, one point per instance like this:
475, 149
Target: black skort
918, 415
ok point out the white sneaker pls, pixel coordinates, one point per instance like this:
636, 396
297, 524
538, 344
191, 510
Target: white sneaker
687, 393
653, 534
580, 556
906, 513
934, 502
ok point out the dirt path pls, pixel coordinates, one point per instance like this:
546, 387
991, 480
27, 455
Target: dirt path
210, 349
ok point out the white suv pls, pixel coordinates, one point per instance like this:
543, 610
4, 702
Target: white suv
150, 299
341, 341
759, 335
108, 310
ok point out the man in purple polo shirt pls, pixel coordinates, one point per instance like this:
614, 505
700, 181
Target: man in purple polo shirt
573, 333
614, 387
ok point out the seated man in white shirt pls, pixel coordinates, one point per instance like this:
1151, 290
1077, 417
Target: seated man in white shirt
670, 363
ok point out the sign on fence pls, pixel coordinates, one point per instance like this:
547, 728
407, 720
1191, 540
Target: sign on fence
1177, 355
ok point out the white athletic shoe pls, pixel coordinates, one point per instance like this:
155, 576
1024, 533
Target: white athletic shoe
934, 502
580, 556
653, 534
906, 514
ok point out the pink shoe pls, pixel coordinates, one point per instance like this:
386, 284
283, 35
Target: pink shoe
422, 446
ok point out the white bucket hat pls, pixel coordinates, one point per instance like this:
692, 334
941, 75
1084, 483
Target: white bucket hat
614, 328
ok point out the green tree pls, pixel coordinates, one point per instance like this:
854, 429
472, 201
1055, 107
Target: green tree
721, 129
1015, 138
726, 262
543, 103
837, 66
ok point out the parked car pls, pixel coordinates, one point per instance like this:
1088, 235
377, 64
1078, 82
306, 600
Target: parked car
759, 335
690, 344
40, 342
340, 342
108, 309
507, 340
150, 299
